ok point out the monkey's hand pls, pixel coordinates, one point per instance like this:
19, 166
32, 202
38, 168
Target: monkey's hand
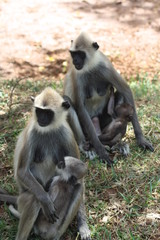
142, 142
86, 145
48, 209
105, 157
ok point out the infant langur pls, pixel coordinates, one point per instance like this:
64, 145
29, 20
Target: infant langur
66, 192
121, 113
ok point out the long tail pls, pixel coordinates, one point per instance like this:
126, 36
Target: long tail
14, 211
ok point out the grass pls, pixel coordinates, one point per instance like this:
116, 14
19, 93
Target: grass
119, 199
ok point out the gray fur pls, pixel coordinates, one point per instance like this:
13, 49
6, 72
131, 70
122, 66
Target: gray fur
38, 151
67, 197
88, 89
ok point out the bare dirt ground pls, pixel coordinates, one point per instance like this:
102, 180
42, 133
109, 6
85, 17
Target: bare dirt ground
35, 35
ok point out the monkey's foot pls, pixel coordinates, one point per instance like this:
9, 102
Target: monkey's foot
85, 233
122, 147
143, 143
89, 154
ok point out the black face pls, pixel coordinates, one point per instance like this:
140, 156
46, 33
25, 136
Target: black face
78, 58
44, 116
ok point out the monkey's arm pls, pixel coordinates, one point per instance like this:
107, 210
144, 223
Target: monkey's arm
96, 124
121, 85
29, 182
115, 127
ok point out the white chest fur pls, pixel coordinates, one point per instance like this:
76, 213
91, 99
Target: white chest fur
96, 103
45, 170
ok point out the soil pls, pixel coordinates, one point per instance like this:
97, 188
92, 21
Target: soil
35, 35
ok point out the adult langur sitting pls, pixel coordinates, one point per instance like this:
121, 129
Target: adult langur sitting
87, 84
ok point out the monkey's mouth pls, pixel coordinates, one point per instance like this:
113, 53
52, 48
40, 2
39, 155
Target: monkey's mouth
43, 124
129, 118
78, 66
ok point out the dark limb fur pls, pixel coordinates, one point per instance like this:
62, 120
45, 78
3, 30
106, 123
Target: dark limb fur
91, 133
125, 90
8, 198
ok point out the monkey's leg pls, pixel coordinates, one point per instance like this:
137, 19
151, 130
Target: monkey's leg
82, 223
8, 198
96, 123
83, 143
29, 209
142, 142
108, 141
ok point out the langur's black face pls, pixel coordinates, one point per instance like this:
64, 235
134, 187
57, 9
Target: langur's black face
78, 59
44, 116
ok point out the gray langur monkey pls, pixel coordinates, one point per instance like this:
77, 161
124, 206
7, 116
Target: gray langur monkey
42, 145
87, 84
66, 192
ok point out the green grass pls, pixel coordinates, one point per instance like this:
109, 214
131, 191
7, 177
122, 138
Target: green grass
117, 199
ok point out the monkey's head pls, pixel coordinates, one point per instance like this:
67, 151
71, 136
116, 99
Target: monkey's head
124, 111
82, 51
49, 109
74, 169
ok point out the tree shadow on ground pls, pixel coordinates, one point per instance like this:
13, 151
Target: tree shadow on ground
27, 69
115, 22
131, 12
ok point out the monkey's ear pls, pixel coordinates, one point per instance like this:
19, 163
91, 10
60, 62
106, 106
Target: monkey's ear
71, 43
65, 104
32, 98
95, 45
